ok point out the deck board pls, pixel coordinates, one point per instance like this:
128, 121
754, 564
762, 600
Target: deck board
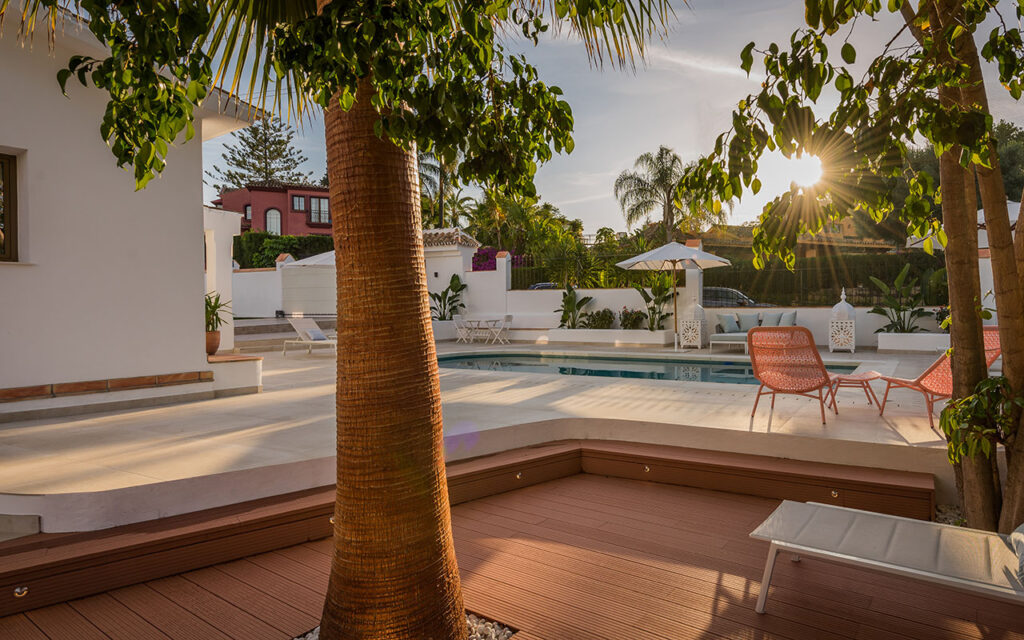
580, 558
62, 621
19, 627
114, 619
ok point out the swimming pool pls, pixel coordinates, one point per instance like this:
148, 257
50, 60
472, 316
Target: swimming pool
733, 372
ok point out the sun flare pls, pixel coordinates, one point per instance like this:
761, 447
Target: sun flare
804, 171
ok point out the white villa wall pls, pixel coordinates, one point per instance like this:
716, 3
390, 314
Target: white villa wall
444, 262
308, 291
221, 227
987, 284
110, 280
257, 293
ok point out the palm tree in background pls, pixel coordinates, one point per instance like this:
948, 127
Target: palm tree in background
652, 187
439, 184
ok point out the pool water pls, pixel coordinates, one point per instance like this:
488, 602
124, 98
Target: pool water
739, 372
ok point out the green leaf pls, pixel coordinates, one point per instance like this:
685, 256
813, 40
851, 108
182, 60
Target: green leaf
812, 12
849, 53
62, 80
747, 58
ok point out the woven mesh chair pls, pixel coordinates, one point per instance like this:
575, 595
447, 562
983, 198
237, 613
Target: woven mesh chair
936, 383
785, 360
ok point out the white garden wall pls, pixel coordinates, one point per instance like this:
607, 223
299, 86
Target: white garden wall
817, 318
308, 291
257, 292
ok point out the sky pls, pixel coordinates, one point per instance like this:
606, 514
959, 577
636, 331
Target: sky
682, 97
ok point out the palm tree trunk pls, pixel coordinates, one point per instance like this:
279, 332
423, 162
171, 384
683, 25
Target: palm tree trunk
440, 197
393, 573
666, 217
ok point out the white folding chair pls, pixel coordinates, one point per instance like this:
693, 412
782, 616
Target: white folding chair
499, 331
462, 331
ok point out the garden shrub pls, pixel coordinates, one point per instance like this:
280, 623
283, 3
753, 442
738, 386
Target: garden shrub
259, 249
631, 318
603, 319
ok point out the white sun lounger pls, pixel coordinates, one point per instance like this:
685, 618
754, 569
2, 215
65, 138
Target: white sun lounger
969, 559
310, 335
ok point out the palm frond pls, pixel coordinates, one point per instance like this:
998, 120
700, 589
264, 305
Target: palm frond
238, 41
620, 41
30, 10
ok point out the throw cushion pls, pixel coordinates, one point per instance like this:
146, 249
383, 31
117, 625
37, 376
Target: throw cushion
729, 324
788, 319
1017, 540
316, 335
747, 321
771, 319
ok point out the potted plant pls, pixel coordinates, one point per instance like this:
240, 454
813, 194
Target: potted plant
444, 307
902, 306
572, 308
214, 308
661, 295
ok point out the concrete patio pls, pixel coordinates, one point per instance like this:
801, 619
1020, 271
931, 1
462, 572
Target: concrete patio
112, 468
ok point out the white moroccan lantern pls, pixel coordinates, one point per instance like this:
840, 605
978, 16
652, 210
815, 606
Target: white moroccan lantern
692, 330
842, 328
696, 311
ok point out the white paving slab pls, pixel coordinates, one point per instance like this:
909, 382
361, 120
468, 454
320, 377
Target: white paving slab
289, 429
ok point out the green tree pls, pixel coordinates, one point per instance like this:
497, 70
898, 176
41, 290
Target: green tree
397, 74
262, 151
652, 187
520, 224
440, 186
933, 89
1010, 146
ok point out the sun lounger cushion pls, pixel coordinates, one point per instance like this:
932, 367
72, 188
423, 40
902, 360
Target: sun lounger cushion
738, 337
1017, 540
728, 323
771, 319
748, 321
316, 335
788, 319
946, 551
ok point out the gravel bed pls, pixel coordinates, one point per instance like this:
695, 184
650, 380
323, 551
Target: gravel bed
479, 629
949, 514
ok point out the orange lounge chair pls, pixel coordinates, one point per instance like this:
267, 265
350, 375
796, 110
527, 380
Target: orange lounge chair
936, 383
786, 360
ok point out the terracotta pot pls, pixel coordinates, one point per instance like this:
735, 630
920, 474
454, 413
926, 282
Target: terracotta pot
212, 342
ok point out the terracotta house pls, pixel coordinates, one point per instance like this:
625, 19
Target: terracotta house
280, 208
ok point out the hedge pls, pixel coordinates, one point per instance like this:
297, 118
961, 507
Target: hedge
818, 281
258, 249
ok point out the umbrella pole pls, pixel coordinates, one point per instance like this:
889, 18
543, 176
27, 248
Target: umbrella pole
675, 308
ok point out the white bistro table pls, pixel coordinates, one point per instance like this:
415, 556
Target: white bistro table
482, 326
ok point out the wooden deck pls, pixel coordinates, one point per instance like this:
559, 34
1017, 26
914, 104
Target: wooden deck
583, 557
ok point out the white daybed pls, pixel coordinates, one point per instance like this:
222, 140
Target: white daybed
969, 559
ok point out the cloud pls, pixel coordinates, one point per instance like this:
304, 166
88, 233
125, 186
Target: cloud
590, 198
689, 62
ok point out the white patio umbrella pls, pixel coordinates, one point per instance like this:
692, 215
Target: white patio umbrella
673, 257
